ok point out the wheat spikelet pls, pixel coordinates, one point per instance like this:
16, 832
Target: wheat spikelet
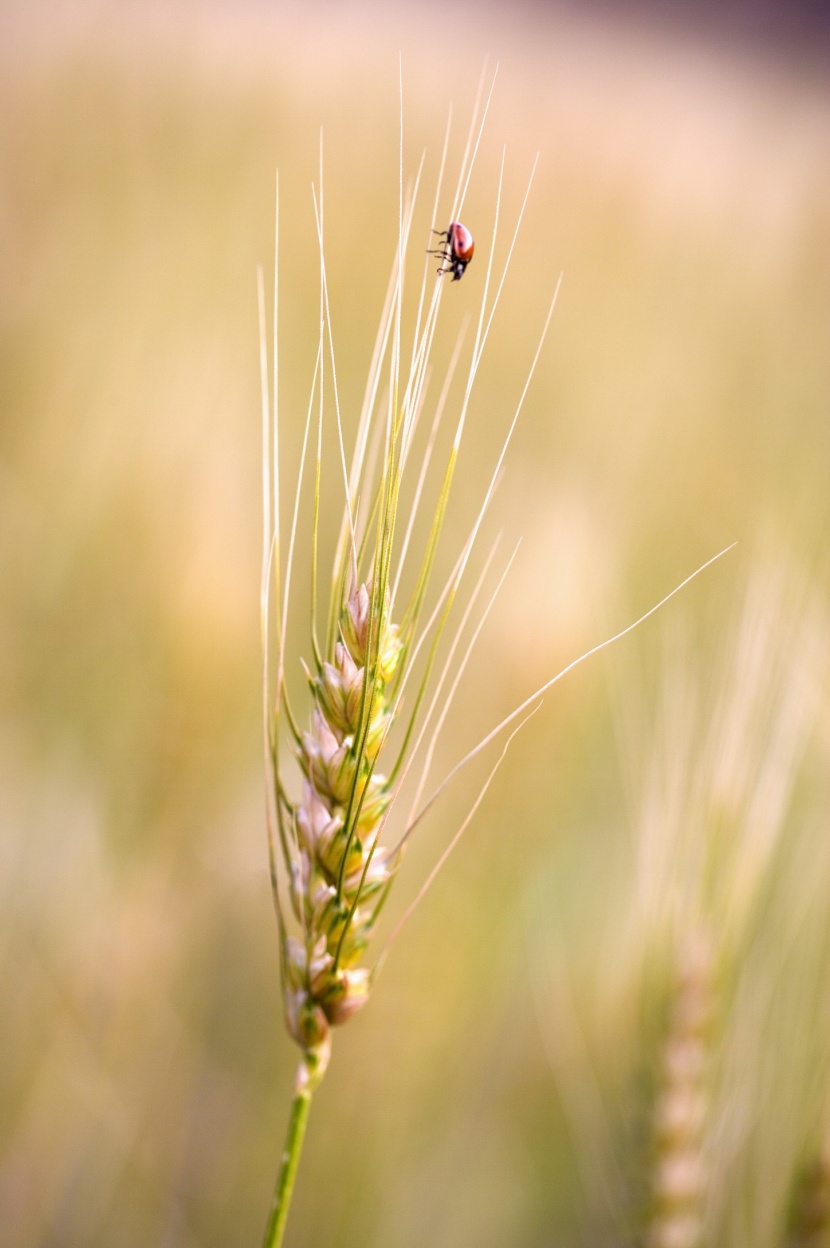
679, 1175
336, 824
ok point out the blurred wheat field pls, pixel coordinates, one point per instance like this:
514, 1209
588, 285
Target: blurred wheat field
504, 1084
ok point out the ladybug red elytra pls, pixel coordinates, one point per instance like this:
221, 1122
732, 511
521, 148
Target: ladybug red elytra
457, 251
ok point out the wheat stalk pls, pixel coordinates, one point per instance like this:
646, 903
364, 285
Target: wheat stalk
332, 862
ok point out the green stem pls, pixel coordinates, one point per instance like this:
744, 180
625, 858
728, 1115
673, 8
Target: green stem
278, 1216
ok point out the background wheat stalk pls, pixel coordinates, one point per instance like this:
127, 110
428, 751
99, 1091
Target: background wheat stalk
728, 1036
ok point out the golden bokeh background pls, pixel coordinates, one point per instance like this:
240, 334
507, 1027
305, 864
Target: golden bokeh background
500, 1088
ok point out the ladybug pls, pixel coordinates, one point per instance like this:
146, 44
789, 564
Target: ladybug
457, 251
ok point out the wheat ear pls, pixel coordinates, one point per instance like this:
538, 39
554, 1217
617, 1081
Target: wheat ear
679, 1182
331, 868
332, 864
